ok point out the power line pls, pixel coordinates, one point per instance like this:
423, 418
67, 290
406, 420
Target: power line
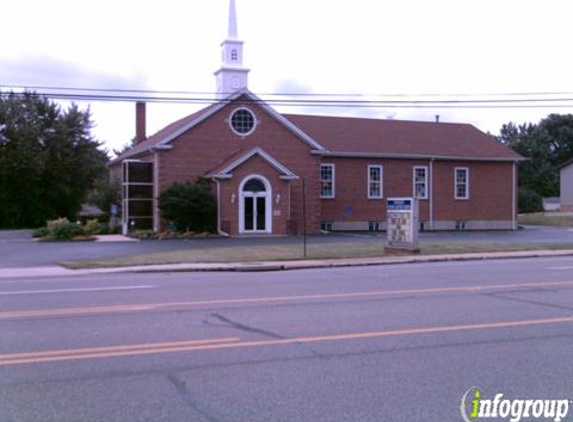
287, 94
124, 96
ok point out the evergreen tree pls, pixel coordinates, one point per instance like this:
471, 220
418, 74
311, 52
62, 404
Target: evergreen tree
48, 160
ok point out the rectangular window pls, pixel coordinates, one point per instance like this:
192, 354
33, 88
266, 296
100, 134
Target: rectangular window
420, 177
327, 180
374, 226
462, 183
375, 182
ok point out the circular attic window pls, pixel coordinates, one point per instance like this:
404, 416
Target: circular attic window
243, 121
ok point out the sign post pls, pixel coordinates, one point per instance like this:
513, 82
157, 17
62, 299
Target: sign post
402, 224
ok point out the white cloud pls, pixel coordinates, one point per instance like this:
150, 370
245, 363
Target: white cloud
41, 70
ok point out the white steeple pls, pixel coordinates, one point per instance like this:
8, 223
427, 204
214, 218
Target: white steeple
233, 32
232, 76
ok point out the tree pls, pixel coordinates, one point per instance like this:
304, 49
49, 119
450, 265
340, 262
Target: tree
48, 160
105, 193
189, 206
546, 145
529, 201
126, 147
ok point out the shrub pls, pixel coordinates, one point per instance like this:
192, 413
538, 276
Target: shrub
41, 232
189, 206
144, 234
93, 227
529, 201
63, 229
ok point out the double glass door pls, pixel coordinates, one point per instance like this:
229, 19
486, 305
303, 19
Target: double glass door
255, 213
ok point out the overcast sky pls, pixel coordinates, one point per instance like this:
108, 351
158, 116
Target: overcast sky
369, 47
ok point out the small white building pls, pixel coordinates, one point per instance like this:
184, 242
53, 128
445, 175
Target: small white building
552, 204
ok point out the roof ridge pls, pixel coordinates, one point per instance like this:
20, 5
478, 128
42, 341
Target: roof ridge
376, 119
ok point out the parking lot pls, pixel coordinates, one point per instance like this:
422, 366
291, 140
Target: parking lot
18, 249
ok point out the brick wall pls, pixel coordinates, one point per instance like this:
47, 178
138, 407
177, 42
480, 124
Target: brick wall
212, 143
490, 191
279, 198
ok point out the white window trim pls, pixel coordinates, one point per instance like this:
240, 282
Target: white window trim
255, 122
333, 180
381, 168
467, 196
425, 168
268, 195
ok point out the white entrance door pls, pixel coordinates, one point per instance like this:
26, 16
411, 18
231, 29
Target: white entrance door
255, 213
255, 206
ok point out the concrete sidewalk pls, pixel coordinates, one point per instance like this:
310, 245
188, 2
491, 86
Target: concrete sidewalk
114, 238
56, 271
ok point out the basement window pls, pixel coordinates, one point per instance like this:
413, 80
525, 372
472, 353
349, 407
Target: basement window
375, 226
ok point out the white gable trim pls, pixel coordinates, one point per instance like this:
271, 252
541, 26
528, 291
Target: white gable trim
226, 173
277, 116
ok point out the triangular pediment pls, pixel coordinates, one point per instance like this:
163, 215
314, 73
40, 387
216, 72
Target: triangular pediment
225, 170
254, 99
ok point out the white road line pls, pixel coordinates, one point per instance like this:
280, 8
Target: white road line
86, 289
93, 278
560, 268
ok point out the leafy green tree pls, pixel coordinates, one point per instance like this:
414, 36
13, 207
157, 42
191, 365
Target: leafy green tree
546, 145
529, 201
189, 206
48, 160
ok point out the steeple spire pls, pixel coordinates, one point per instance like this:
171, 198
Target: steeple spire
232, 76
233, 32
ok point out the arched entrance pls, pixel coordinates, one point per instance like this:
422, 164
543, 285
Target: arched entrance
255, 205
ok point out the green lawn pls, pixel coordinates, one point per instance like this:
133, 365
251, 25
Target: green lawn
293, 252
546, 219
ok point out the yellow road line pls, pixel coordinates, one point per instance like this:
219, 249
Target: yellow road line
108, 351
371, 294
76, 311
232, 343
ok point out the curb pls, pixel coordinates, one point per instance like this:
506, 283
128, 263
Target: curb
273, 266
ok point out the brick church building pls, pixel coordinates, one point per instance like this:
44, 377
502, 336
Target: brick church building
258, 160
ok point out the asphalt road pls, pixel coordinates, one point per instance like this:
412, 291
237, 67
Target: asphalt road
18, 249
392, 343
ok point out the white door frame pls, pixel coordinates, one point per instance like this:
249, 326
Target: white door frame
268, 195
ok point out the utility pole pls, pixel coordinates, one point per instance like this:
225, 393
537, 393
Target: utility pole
304, 216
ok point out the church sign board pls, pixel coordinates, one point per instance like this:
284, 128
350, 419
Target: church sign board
402, 219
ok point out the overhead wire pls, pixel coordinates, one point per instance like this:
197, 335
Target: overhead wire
304, 94
475, 101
